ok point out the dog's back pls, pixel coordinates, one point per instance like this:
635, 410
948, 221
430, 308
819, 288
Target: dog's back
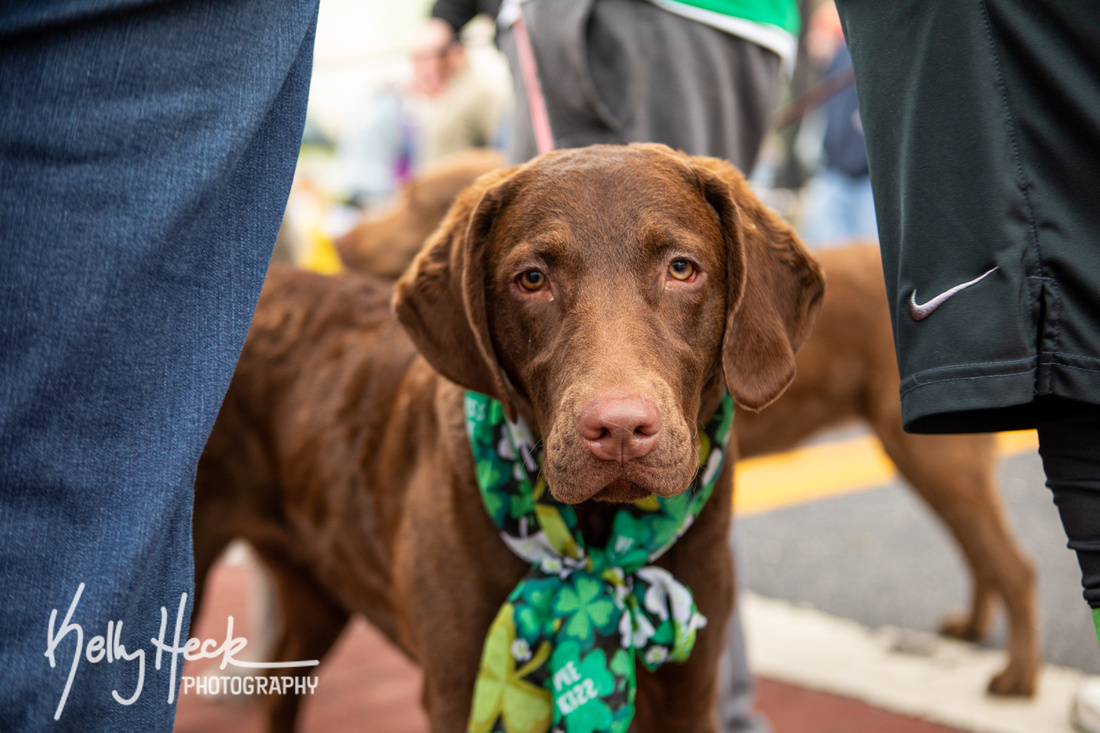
846, 370
384, 242
277, 458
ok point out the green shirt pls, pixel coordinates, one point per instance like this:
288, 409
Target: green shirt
781, 13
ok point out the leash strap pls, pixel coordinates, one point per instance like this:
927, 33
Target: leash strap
536, 102
562, 649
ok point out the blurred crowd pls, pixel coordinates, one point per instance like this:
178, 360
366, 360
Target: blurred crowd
449, 94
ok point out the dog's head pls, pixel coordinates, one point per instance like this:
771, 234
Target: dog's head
606, 294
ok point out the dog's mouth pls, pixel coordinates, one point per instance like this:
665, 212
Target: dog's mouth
622, 491
619, 483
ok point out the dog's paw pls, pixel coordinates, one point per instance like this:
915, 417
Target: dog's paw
1014, 681
962, 626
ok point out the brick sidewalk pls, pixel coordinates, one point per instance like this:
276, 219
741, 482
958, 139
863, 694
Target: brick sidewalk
366, 685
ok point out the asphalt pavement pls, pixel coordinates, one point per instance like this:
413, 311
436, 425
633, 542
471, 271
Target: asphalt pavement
881, 557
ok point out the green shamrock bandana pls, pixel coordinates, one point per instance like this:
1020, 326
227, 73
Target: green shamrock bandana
562, 649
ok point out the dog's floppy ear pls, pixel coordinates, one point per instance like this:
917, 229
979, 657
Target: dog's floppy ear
775, 289
440, 300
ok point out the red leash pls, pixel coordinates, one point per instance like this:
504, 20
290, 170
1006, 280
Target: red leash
536, 103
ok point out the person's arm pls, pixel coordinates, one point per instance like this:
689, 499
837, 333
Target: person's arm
457, 13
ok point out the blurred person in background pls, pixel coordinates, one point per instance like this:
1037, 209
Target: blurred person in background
447, 104
838, 206
702, 77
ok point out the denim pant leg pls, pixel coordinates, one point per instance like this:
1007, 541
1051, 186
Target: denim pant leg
146, 152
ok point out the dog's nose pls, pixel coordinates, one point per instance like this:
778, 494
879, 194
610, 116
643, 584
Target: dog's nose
619, 428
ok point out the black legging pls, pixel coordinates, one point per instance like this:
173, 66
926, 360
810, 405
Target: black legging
1069, 443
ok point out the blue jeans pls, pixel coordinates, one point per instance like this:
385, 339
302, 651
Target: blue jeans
146, 152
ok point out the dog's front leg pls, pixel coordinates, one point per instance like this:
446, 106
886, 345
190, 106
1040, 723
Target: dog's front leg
682, 697
452, 573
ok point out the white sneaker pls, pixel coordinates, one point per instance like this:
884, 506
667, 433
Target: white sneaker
1085, 714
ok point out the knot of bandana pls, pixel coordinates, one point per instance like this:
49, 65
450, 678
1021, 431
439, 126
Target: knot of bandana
561, 651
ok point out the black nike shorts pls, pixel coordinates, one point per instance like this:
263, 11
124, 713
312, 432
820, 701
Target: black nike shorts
982, 122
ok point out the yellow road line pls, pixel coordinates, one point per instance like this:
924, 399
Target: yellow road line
830, 469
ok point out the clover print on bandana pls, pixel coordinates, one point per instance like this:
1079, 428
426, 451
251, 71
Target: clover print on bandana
560, 655
581, 688
502, 694
587, 607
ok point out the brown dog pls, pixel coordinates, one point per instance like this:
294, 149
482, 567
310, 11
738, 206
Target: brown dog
383, 243
610, 286
847, 371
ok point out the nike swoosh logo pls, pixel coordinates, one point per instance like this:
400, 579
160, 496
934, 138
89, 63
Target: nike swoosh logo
920, 311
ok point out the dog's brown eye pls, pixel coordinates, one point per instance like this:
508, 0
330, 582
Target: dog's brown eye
681, 270
532, 281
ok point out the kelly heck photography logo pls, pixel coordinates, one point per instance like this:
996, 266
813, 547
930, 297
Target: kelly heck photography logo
920, 311
111, 649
